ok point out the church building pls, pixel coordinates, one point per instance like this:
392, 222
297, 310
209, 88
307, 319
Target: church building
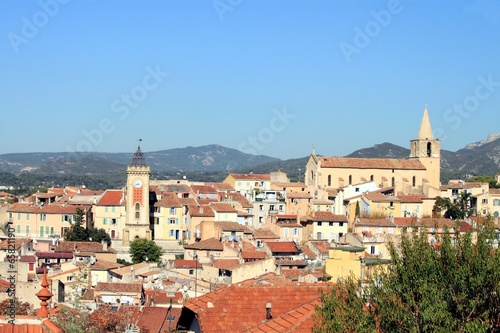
419, 173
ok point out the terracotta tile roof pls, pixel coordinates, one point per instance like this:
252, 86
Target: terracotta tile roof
6, 194
27, 259
242, 307
4, 285
155, 319
309, 253
253, 254
375, 222
201, 211
54, 255
163, 297
168, 199
280, 247
231, 226
326, 217
226, 263
321, 245
105, 265
47, 209
70, 246
495, 191
190, 264
291, 262
203, 189
264, 233
111, 198
284, 185
221, 207
251, 176
238, 197
221, 187
370, 163
411, 198
211, 244
406, 221
118, 287
28, 324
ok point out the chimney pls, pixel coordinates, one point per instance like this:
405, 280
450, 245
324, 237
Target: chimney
268, 311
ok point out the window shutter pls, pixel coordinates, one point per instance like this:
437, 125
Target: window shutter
176, 220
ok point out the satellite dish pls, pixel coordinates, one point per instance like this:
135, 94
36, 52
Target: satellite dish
183, 177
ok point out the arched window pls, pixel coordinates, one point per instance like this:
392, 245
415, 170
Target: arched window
429, 150
137, 206
371, 178
329, 180
350, 179
414, 181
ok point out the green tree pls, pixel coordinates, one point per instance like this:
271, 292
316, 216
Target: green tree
452, 285
343, 310
142, 248
79, 233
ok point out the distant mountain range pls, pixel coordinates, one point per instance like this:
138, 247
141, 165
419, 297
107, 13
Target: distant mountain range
478, 158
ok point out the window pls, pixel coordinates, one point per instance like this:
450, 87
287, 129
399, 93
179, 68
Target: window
341, 224
393, 181
27, 229
51, 231
261, 208
106, 209
18, 229
41, 231
286, 232
137, 206
372, 249
191, 271
390, 230
371, 178
429, 150
414, 181
330, 224
271, 207
18, 216
280, 207
318, 208
350, 179
496, 202
329, 180
43, 217
113, 209
69, 278
113, 221
171, 221
137, 215
485, 201
105, 221
295, 231
27, 216
172, 210
356, 189
319, 224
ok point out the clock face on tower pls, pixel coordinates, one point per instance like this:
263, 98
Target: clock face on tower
137, 183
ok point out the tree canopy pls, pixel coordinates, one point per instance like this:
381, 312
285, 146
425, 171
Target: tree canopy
143, 249
451, 285
79, 233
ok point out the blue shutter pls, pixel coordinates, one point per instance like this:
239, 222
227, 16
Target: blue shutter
176, 220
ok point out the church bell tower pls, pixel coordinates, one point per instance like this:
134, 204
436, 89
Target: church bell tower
137, 220
428, 151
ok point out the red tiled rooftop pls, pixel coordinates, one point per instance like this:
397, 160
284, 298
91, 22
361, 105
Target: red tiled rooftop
242, 307
190, 264
73, 246
280, 247
155, 319
203, 189
326, 217
264, 233
46, 209
111, 198
221, 207
226, 263
211, 244
371, 163
375, 222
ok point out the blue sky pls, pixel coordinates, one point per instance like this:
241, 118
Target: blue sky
266, 77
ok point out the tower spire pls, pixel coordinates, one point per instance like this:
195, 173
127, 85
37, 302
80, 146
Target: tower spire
425, 132
138, 158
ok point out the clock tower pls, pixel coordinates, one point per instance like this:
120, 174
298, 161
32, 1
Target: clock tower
137, 220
